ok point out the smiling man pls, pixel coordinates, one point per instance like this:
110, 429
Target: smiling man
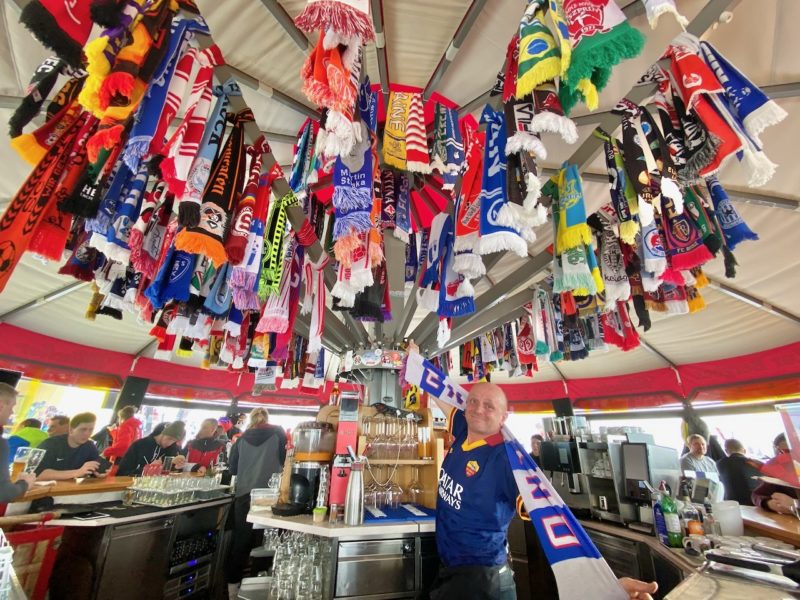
477, 498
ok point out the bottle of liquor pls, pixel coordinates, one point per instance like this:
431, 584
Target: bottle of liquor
690, 518
671, 518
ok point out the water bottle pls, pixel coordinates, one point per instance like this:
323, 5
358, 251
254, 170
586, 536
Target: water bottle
354, 498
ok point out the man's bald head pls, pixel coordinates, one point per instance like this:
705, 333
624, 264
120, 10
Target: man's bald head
486, 410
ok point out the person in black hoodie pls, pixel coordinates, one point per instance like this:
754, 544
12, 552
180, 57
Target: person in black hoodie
152, 449
258, 453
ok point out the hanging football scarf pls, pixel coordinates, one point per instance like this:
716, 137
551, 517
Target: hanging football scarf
224, 183
521, 136
549, 115
615, 278
600, 38
733, 226
617, 182
455, 298
507, 80
428, 292
367, 303
685, 248
468, 213
31, 202
702, 220
416, 137
493, 236
272, 265
388, 199
753, 109
439, 149
573, 231
636, 158
275, 316
236, 244
125, 216
579, 569
61, 27
412, 261
539, 59
394, 135
454, 148
402, 228
347, 18
655, 8
352, 189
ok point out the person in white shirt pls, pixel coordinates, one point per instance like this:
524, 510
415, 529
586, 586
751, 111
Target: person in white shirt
696, 459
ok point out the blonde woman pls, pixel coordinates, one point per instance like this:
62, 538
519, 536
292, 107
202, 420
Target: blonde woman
255, 456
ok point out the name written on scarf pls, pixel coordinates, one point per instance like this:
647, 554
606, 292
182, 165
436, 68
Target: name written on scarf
397, 112
220, 181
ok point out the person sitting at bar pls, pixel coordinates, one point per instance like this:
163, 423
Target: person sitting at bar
57, 425
736, 473
29, 434
695, 459
536, 447
128, 431
205, 448
73, 454
780, 445
476, 501
9, 490
154, 449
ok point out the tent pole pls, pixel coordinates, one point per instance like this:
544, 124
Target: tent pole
42, 300
746, 298
287, 23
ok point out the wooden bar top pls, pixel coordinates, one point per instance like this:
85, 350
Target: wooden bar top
72, 488
758, 521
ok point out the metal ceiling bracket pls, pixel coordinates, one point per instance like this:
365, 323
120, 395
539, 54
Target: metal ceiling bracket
41, 301
287, 23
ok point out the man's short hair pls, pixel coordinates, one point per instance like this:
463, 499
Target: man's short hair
693, 437
537, 436
126, 412
8, 393
35, 423
733, 445
59, 419
82, 419
779, 439
214, 421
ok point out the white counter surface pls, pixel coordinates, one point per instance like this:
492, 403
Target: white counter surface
111, 520
305, 524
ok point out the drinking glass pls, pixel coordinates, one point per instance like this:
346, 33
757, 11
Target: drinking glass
415, 491
394, 493
379, 441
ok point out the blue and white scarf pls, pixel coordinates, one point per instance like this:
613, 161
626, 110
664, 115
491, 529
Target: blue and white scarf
494, 197
126, 214
579, 569
733, 226
402, 224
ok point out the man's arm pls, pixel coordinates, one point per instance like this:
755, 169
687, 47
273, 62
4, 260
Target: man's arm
8, 490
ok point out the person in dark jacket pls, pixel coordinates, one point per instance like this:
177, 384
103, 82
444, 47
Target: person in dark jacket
736, 473
152, 449
8, 490
205, 448
258, 453
74, 454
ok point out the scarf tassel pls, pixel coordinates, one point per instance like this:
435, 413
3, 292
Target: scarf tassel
45, 28
345, 293
696, 302
764, 116
345, 20
522, 141
357, 220
759, 168
28, 148
140, 260
730, 263
115, 84
502, 241
469, 264
135, 150
550, 122
654, 13
245, 299
692, 258
199, 243
627, 231
456, 308
347, 199
104, 139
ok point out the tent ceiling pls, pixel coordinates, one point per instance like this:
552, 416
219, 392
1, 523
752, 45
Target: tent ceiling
760, 40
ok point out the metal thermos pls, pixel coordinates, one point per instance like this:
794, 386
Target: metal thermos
354, 497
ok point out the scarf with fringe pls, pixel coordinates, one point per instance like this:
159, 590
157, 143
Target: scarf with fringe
326, 79
80, 265
352, 190
149, 112
412, 260
314, 299
347, 18
219, 197
733, 226
125, 216
395, 134
388, 197
468, 213
618, 329
539, 59
428, 292
218, 300
60, 26
455, 298
150, 231
697, 211
520, 134
32, 200
454, 149
615, 279
549, 114
495, 237
600, 38
655, 8
275, 315
417, 160
618, 184
236, 244
61, 113
402, 229
272, 264
572, 232
685, 248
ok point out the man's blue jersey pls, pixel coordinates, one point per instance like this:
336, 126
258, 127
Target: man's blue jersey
476, 500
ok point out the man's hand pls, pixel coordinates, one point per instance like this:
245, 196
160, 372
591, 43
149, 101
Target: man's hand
638, 589
179, 461
781, 503
201, 471
90, 466
28, 478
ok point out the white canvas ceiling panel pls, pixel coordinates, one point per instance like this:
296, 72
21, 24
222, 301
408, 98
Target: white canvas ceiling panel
417, 34
21, 53
482, 53
32, 279
252, 40
764, 271
727, 327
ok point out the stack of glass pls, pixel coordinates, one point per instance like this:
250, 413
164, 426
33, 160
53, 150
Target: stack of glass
391, 438
165, 491
302, 566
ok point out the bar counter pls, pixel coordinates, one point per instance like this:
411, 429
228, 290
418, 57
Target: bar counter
72, 487
758, 521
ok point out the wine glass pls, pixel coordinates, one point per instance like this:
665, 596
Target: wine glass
394, 493
415, 491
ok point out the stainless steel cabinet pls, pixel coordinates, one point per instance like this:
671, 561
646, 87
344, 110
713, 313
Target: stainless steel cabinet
374, 568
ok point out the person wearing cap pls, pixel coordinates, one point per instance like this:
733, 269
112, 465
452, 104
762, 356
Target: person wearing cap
153, 449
